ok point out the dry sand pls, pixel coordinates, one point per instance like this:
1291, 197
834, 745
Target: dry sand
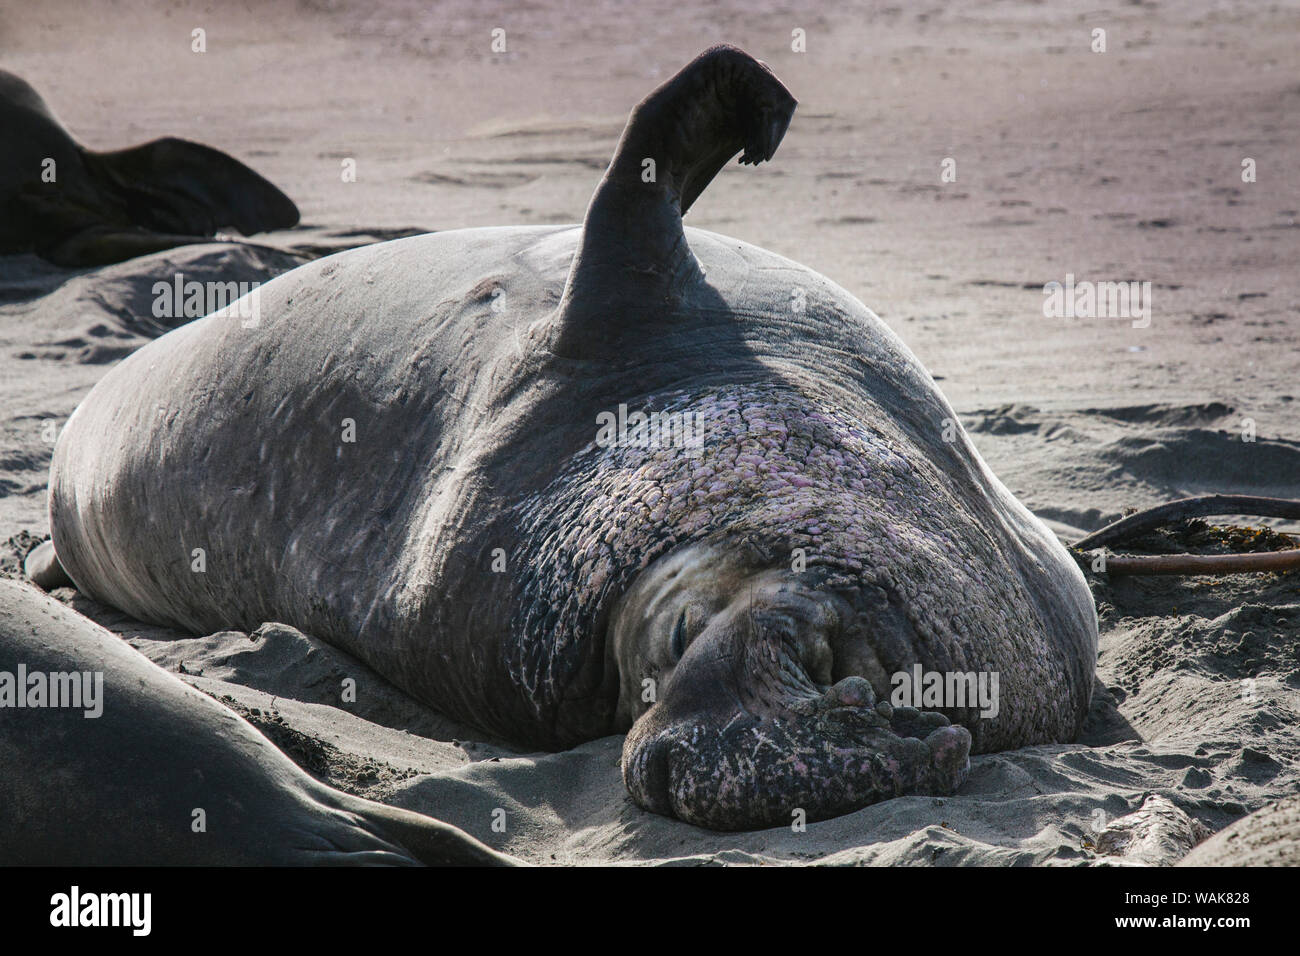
1123, 165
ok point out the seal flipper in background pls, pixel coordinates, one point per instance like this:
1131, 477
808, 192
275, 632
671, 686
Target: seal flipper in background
174, 186
76, 207
633, 255
121, 788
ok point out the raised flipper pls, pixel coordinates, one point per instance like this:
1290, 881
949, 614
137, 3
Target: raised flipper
633, 256
118, 779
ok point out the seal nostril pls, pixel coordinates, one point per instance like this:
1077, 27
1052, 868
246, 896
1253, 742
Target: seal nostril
852, 692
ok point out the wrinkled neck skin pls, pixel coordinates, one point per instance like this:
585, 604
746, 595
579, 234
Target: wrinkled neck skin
752, 602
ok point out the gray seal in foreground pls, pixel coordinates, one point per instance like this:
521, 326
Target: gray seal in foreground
78, 207
561, 482
146, 770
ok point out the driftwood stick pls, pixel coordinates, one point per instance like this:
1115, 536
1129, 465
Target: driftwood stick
1203, 563
1198, 507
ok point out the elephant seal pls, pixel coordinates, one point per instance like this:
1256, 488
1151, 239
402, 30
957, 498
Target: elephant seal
77, 207
117, 779
563, 481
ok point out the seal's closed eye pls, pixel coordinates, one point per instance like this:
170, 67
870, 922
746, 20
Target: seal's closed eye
679, 636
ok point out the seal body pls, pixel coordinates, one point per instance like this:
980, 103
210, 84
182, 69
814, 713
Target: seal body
351, 465
111, 761
420, 451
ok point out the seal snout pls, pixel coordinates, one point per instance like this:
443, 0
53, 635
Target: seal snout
751, 727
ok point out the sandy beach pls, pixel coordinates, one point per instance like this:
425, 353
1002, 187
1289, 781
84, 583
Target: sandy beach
945, 164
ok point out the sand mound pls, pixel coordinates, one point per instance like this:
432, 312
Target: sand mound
104, 315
